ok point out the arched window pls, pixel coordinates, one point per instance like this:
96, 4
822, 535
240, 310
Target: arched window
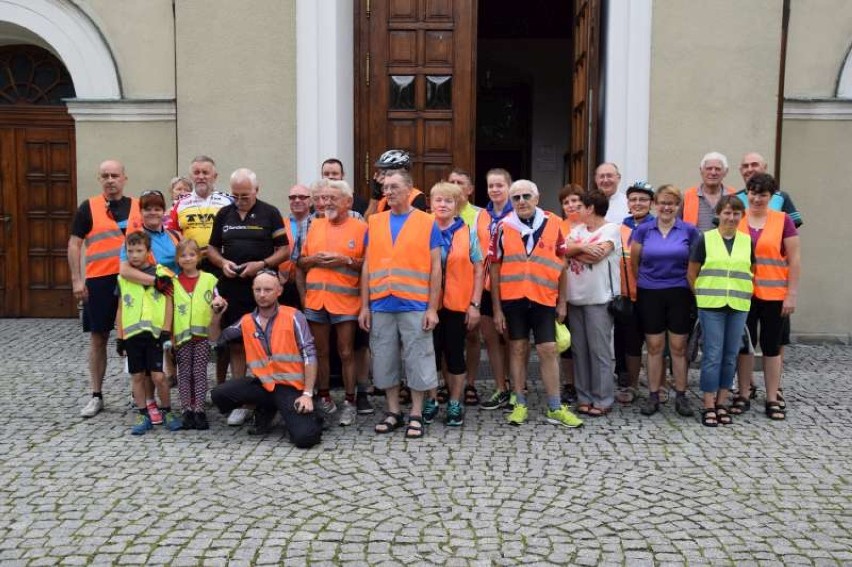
31, 75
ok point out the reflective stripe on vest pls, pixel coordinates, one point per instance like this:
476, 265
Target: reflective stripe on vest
771, 272
536, 276
400, 268
143, 309
337, 290
192, 314
283, 363
458, 276
725, 278
105, 239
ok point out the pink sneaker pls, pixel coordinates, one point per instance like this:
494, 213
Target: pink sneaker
154, 413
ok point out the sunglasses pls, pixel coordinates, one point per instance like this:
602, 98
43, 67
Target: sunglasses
298, 197
524, 196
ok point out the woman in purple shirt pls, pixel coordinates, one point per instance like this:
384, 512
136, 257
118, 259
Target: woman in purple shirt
660, 257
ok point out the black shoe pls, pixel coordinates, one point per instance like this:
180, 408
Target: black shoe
363, 405
201, 422
651, 407
569, 395
262, 422
188, 419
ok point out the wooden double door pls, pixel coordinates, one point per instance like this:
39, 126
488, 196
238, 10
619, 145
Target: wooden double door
37, 203
416, 86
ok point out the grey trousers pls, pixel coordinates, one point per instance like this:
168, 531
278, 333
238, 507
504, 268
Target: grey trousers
591, 329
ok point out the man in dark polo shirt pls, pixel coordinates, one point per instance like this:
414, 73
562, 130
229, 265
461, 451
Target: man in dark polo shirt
247, 237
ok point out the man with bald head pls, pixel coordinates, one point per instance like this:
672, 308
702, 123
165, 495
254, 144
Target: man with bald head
280, 350
754, 163
607, 180
247, 236
100, 223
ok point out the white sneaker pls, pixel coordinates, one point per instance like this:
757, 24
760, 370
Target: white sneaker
347, 414
239, 416
92, 408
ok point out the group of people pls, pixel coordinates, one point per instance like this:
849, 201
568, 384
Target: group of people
408, 296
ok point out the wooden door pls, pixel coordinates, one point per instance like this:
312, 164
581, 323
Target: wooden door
37, 184
582, 155
415, 74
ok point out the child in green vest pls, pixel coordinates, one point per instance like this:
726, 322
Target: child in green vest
194, 291
145, 317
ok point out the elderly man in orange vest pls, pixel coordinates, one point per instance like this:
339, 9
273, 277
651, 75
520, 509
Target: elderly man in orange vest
527, 292
699, 203
400, 287
281, 355
100, 223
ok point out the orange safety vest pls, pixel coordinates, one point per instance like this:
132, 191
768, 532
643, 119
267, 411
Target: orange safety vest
104, 241
771, 271
283, 362
382, 206
400, 268
534, 276
628, 281
690, 204
335, 289
288, 266
458, 276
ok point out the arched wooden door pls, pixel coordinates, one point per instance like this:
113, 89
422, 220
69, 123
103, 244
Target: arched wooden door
37, 184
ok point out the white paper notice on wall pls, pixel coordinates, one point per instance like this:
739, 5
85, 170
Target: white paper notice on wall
545, 159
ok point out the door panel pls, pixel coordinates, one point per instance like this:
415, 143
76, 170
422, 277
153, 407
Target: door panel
586, 95
415, 86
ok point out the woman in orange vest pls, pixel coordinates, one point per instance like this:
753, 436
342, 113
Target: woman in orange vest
332, 256
776, 286
461, 296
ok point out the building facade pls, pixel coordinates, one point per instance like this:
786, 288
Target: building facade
544, 88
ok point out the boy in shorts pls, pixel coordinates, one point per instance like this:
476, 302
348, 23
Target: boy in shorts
145, 317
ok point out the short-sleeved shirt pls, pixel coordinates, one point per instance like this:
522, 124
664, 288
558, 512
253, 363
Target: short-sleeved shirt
698, 253
468, 214
193, 215
162, 247
664, 260
595, 284
251, 239
780, 201
391, 303
82, 223
789, 231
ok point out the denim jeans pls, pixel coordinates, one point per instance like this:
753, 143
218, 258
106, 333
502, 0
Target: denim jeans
723, 332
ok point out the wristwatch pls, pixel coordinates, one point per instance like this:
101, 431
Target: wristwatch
307, 393
475, 304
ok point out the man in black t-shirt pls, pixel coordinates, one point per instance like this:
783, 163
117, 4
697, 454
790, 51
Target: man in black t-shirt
247, 237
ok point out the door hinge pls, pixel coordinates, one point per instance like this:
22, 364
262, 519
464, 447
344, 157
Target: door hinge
368, 69
367, 167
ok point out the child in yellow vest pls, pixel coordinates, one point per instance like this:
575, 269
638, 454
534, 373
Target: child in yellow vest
145, 317
194, 291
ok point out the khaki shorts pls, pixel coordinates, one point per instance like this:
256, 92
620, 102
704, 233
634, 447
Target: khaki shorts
398, 339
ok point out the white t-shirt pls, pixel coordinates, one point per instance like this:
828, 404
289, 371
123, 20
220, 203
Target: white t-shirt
618, 208
589, 284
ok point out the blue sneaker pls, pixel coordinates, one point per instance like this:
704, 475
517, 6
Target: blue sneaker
455, 414
430, 410
142, 425
173, 422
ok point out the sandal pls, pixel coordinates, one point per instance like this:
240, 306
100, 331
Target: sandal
739, 406
595, 411
723, 416
752, 392
775, 412
415, 427
709, 417
471, 396
625, 396
443, 395
389, 424
584, 409
781, 401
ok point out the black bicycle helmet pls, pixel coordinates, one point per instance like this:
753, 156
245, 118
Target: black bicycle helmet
394, 159
641, 186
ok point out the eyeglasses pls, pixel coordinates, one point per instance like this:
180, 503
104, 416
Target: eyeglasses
639, 200
151, 192
298, 197
524, 196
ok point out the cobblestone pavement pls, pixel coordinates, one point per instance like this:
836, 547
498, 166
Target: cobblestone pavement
623, 490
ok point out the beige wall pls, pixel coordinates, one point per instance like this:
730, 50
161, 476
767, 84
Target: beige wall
820, 35
236, 89
714, 75
141, 38
147, 150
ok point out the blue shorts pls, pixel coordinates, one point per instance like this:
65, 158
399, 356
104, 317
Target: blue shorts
323, 317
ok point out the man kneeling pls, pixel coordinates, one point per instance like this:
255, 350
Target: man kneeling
281, 355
